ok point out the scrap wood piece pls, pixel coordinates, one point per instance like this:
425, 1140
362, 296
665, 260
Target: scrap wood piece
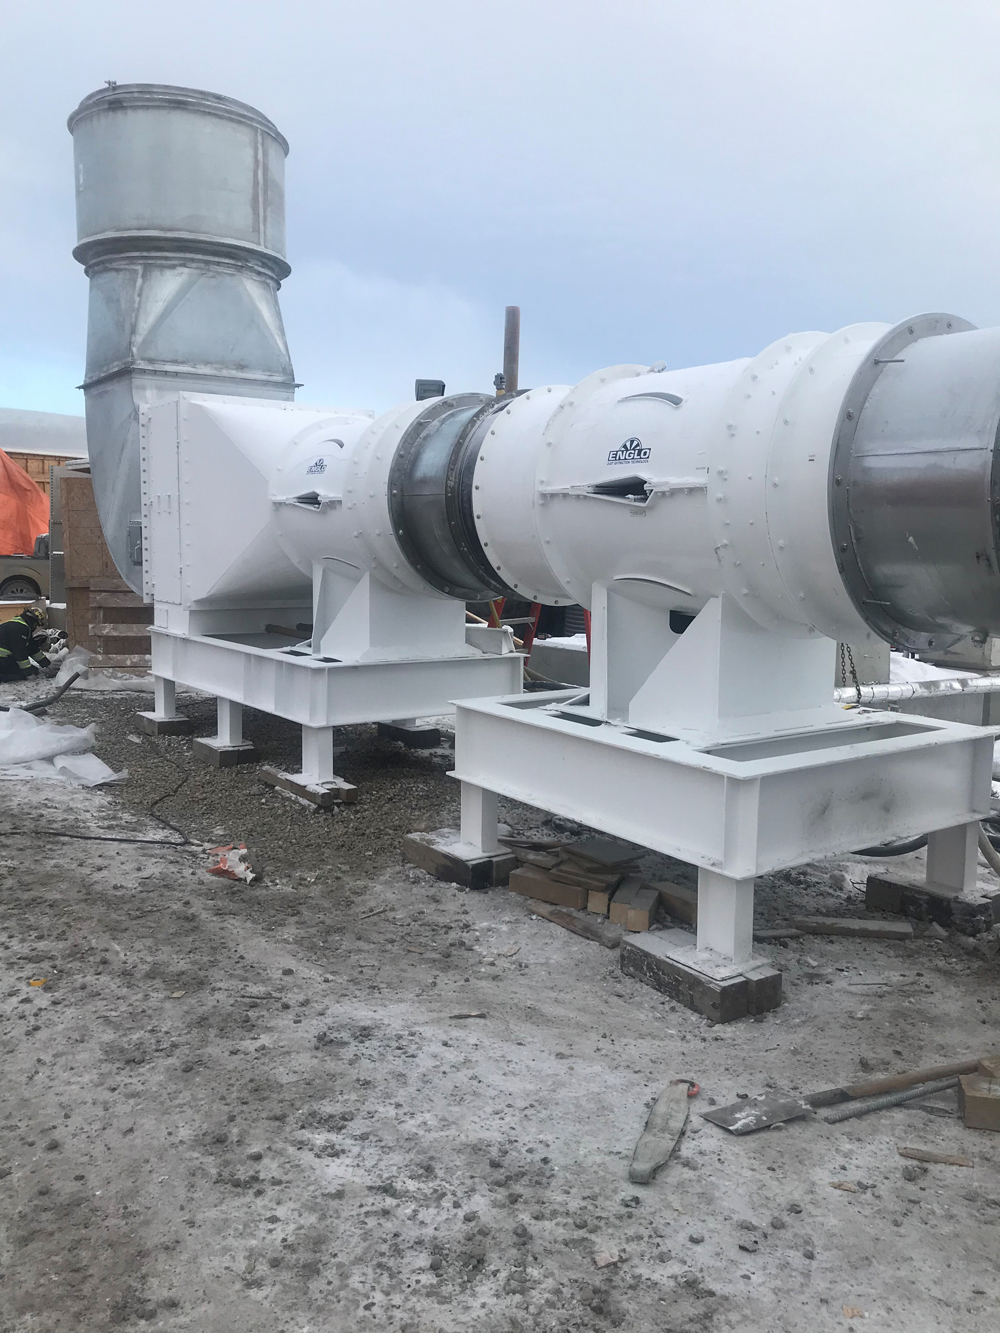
939, 1158
855, 927
679, 900
531, 882
848, 1186
580, 923
472, 1013
664, 1127
634, 904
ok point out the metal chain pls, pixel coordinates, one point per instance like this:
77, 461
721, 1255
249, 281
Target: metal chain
847, 657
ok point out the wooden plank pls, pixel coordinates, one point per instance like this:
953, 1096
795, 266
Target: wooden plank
641, 911
662, 1133
531, 882
567, 873
623, 899
101, 629
678, 900
854, 927
599, 931
979, 1101
323, 794
940, 1158
605, 853
599, 901
127, 598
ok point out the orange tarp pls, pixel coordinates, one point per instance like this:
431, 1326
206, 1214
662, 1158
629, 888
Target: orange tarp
24, 510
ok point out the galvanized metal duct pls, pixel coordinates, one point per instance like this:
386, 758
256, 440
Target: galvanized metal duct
181, 230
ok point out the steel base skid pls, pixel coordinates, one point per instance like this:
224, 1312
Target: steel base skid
736, 809
296, 685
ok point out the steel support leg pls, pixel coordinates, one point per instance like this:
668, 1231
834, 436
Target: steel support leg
725, 915
164, 720
317, 754
230, 724
480, 819
951, 857
164, 697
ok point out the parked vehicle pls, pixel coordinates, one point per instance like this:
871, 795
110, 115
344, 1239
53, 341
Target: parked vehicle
24, 577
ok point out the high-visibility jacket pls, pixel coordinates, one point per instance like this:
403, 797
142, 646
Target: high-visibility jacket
21, 649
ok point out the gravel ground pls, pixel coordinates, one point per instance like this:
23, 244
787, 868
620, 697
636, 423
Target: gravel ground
234, 1108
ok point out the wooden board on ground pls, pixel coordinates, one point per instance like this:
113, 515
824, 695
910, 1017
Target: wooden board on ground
678, 900
855, 927
979, 1101
579, 923
937, 1158
532, 882
664, 1128
603, 852
599, 901
634, 905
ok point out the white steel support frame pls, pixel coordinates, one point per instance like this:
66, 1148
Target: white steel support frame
736, 810
317, 693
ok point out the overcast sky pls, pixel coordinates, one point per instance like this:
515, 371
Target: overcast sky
679, 180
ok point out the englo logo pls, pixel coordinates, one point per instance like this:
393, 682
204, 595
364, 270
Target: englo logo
632, 451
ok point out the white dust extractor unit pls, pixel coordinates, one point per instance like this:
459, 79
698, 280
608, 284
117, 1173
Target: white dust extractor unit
213, 488
726, 525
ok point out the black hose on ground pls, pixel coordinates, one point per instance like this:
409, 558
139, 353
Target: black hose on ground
895, 848
44, 703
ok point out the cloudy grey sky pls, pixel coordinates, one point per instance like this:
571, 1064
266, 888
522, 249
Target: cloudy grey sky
677, 180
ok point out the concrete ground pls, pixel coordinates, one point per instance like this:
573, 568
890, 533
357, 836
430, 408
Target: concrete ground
234, 1108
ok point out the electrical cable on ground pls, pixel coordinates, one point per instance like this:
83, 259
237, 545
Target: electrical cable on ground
184, 840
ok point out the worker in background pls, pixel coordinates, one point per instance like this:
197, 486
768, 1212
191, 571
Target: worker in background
22, 645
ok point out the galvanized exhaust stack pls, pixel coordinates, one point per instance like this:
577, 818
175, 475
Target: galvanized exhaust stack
181, 229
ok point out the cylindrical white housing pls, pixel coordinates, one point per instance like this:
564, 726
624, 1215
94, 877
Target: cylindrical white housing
749, 478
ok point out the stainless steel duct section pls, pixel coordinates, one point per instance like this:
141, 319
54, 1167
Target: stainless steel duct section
915, 484
431, 497
181, 229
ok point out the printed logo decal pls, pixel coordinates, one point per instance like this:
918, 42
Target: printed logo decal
632, 451
314, 468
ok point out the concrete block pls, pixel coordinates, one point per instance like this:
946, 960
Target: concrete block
927, 901
222, 756
720, 999
153, 725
